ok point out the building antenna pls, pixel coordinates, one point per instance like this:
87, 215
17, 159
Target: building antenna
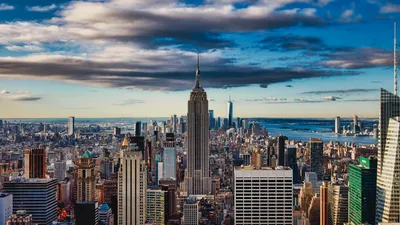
395, 61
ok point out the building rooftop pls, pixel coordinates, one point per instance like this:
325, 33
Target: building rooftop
262, 168
2, 195
315, 140
31, 180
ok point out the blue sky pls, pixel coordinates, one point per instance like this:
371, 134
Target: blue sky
135, 58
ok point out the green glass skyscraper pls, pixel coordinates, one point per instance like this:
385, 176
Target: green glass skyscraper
362, 191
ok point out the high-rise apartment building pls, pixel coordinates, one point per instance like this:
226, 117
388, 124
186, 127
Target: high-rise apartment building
230, 113
169, 157
44, 207
316, 156
35, 163
157, 206
264, 194
198, 180
86, 179
132, 186
6, 207
362, 191
337, 125
337, 204
86, 213
71, 126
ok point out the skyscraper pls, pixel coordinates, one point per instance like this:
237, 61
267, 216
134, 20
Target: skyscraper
157, 206
323, 207
230, 112
198, 179
387, 157
337, 204
337, 125
86, 213
35, 163
212, 119
36, 196
106, 215
355, 123
191, 207
316, 154
86, 179
280, 149
138, 129
291, 161
132, 186
263, 194
71, 125
6, 207
387, 197
169, 157
362, 192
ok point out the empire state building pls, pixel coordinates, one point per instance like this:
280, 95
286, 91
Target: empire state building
197, 179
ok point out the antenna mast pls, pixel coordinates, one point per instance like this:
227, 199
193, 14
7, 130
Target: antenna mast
395, 61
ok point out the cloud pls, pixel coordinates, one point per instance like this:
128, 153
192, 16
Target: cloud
292, 43
289, 86
25, 98
4, 6
159, 23
41, 8
344, 91
27, 48
347, 14
129, 102
390, 8
161, 70
22, 92
4, 92
363, 100
331, 98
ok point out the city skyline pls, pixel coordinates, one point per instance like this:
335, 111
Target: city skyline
297, 57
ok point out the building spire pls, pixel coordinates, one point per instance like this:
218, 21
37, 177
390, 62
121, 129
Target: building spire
395, 61
198, 72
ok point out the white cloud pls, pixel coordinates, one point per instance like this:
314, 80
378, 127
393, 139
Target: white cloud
41, 8
4, 92
390, 8
4, 6
332, 98
26, 48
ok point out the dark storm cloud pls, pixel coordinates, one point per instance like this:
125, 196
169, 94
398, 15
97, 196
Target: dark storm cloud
213, 75
358, 90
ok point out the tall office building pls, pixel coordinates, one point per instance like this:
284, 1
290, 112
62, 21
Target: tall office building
169, 157
263, 194
86, 213
174, 123
362, 192
191, 211
71, 126
280, 149
198, 180
230, 113
355, 123
44, 207
211, 119
314, 211
337, 125
311, 177
323, 207
132, 186
6, 207
316, 155
291, 161
35, 163
86, 179
387, 197
337, 204
117, 131
138, 129
245, 123
21, 217
60, 169
157, 206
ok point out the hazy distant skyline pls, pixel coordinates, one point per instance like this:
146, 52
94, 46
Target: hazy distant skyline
135, 58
